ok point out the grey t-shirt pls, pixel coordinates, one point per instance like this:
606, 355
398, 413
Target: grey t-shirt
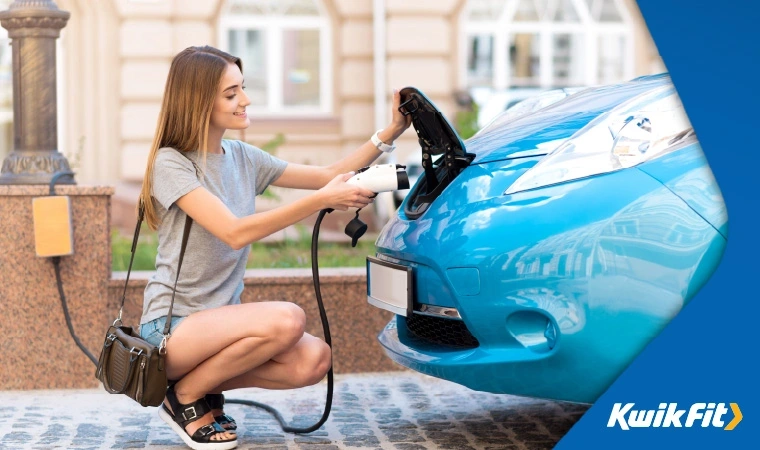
212, 272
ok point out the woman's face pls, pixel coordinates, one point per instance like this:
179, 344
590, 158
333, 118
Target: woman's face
229, 107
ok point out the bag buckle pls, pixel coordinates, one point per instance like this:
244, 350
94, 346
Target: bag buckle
110, 338
135, 352
162, 345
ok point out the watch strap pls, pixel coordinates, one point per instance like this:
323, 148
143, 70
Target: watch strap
380, 145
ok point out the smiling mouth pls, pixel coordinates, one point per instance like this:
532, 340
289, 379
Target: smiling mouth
240, 114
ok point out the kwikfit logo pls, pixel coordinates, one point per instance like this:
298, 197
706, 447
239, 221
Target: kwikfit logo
668, 415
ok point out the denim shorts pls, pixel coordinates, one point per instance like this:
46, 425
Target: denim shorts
153, 331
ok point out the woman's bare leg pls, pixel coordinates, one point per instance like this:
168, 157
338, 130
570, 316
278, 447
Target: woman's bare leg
304, 364
215, 345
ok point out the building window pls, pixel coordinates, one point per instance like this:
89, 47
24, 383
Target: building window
285, 46
480, 59
547, 43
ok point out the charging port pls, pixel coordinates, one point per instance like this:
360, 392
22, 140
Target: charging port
436, 137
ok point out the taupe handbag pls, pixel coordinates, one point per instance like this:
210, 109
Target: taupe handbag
128, 364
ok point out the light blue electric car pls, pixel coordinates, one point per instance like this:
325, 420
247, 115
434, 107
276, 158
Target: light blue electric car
540, 257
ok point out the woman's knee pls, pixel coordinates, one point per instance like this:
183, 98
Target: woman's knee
290, 323
315, 364
280, 321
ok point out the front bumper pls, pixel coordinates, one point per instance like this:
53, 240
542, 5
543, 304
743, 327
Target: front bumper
567, 294
517, 371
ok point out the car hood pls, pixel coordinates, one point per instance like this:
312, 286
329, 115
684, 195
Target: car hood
541, 132
532, 135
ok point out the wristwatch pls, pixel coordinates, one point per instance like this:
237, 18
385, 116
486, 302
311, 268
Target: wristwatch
382, 146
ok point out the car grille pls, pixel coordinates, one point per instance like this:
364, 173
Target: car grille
453, 333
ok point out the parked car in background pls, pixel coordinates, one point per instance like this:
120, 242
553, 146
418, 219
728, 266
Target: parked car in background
540, 257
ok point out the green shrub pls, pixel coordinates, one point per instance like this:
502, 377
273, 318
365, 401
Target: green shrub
466, 122
145, 254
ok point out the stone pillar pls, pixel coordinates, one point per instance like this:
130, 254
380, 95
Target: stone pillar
38, 352
33, 26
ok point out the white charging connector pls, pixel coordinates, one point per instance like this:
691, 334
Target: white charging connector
381, 178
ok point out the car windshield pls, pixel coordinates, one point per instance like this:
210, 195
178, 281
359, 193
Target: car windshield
533, 104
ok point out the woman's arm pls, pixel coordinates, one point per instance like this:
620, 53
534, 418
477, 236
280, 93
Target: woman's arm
237, 232
299, 176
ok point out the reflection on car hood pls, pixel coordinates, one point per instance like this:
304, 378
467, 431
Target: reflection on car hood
541, 132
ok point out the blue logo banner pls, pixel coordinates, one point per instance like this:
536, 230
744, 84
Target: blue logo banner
696, 385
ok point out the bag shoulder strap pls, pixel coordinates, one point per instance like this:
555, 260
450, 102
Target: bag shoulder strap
185, 234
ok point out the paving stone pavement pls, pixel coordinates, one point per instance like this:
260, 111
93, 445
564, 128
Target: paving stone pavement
396, 410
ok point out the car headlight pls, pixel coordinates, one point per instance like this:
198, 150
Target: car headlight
638, 130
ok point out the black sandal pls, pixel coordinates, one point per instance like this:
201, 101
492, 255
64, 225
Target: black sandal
184, 414
216, 401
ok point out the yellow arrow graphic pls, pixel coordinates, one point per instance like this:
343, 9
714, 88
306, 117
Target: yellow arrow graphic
737, 417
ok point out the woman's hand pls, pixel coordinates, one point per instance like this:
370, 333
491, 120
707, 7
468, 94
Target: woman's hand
399, 122
338, 194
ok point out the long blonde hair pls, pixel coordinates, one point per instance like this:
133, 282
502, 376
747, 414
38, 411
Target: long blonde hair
183, 123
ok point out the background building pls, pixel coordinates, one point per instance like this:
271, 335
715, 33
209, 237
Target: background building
320, 71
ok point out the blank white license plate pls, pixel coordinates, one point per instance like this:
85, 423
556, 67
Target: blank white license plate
389, 286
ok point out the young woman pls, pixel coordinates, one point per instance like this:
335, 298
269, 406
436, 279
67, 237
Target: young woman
217, 343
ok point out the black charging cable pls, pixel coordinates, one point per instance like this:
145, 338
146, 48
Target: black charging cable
57, 267
328, 340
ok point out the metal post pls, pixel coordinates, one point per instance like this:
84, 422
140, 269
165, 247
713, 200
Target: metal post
33, 26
